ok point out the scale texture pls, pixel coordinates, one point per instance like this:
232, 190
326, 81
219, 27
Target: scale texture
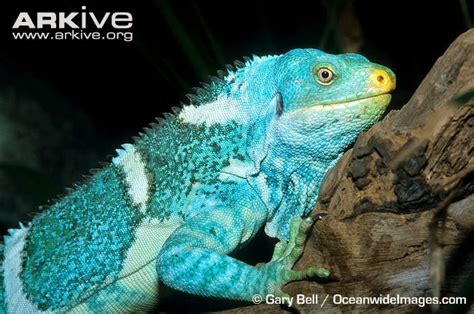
248, 152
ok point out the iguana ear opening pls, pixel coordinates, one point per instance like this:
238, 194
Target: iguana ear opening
261, 131
279, 104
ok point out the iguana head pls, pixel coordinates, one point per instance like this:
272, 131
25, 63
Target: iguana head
327, 100
321, 103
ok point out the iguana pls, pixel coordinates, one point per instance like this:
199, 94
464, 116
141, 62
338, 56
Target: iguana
248, 152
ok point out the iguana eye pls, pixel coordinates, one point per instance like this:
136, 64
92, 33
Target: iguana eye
325, 75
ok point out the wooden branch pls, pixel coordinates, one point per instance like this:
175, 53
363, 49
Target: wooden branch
399, 202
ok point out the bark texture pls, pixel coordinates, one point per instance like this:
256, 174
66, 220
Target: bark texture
400, 203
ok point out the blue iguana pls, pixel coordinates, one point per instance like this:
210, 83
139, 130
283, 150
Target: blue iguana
248, 152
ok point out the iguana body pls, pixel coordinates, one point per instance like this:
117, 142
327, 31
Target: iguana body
250, 151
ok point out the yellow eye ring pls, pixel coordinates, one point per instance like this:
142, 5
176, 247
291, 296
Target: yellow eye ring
325, 75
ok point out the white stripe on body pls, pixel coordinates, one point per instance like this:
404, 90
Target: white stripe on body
135, 175
15, 298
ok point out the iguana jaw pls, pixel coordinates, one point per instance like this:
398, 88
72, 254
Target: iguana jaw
380, 100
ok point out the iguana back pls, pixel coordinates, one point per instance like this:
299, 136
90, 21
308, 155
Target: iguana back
194, 187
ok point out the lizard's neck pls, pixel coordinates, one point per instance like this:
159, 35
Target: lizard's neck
289, 187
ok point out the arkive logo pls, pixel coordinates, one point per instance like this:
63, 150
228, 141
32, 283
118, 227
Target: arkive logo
83, 24
75, 20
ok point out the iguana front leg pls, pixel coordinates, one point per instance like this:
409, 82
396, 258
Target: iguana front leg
194, 258
286, 253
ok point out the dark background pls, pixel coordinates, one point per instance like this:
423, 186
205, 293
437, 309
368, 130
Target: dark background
95, 95
118, 87
121, 86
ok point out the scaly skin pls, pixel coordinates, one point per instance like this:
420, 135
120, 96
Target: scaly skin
249, 151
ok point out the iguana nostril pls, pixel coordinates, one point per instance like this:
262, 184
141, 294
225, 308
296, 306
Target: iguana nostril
382, 80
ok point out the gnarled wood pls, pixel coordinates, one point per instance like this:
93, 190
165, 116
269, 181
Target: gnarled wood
400, 202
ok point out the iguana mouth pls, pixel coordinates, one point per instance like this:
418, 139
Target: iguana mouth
334, 105
364, 98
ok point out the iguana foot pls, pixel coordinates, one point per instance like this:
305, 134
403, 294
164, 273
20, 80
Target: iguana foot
278, 271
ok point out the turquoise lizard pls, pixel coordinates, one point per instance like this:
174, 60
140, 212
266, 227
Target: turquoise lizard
248, 152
